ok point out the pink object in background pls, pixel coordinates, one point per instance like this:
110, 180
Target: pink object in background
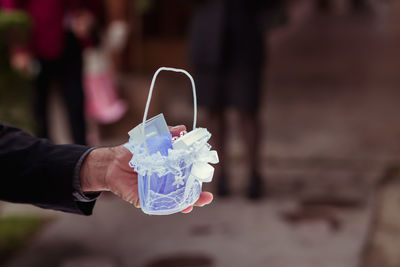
102, 101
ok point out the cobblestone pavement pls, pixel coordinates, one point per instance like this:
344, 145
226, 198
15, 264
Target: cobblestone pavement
331, 116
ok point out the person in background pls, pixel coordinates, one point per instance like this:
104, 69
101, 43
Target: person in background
60, 29
227, 52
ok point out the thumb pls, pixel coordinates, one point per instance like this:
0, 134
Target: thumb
175, 130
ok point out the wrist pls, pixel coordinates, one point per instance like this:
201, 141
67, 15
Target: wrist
94, 170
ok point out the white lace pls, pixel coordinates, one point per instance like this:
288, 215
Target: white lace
175, 162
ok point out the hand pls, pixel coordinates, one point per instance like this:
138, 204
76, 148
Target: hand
21, 61
82, 23
107, 169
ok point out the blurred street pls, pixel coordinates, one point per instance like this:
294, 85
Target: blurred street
330, 122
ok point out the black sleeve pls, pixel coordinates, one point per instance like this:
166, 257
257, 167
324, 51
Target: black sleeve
32, 170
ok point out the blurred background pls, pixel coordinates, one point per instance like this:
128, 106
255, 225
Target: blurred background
302, 97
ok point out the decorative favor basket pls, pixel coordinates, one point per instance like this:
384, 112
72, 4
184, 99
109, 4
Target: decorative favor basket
170, 173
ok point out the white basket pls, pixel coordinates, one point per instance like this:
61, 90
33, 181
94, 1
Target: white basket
170, 180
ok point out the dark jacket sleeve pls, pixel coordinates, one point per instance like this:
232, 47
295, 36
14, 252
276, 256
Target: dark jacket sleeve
32, 170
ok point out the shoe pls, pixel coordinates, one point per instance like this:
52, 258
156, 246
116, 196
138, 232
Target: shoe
222, 186
255, 189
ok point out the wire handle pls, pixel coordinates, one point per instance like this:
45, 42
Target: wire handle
151, 93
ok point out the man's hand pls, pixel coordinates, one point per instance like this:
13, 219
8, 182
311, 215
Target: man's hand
107, 169
21, 61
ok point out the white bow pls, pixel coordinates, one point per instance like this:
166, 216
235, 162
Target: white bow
201, 168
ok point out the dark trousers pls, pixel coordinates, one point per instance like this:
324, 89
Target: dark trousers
66, 72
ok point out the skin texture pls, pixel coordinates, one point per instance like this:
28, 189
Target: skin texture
107, 169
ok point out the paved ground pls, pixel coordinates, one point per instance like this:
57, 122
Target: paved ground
229, 233
331, 117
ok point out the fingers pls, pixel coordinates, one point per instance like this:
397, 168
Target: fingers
137, 203
187, 210
204, 199
176, 130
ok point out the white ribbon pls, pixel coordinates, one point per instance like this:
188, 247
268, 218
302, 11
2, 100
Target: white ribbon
201, 168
